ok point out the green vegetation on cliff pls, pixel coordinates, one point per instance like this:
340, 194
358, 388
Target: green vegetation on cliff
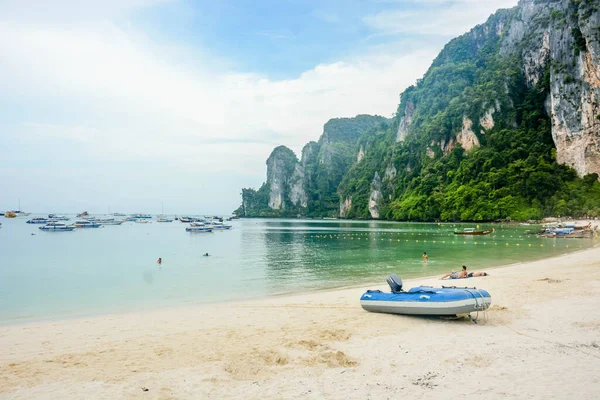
471, 141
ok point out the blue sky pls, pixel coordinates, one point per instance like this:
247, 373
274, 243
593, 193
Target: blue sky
130, 103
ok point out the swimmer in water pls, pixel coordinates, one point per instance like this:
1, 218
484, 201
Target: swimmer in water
159, 261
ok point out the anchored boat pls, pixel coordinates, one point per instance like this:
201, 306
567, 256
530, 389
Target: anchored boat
109, 221
56, 227
38, 220
472, 231
86, 224
55, 217
199, 227
425, 300
220, 226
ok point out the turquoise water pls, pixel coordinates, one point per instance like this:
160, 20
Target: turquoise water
114, 269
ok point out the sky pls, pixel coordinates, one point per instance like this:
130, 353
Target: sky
136, 105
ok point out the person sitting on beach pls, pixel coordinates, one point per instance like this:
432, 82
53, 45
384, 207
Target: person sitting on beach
457, 275
425, 257
476, 274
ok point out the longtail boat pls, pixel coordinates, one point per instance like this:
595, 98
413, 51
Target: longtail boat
472, 231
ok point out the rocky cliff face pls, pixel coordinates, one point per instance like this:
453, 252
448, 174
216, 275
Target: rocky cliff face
285, 179
345, 206
293, 186
559, 36
564, 37
487, 124
375, 197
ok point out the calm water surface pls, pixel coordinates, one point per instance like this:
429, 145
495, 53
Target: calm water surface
114, 269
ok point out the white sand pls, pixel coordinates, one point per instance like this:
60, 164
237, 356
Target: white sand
542, 341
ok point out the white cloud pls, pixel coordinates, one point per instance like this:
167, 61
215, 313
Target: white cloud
105, 70
436, 17
118, 98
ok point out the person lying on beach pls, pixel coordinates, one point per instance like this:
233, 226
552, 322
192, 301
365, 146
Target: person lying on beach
476, 274
457, 275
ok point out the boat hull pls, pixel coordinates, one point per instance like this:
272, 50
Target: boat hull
38, 221
51, 229
427, 301
84, 226
198, 229
475, 233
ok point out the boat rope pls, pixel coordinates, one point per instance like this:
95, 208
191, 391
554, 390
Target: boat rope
503, 323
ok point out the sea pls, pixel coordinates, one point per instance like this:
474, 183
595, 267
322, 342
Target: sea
114, 269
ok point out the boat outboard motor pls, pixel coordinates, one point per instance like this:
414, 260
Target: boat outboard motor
395, 283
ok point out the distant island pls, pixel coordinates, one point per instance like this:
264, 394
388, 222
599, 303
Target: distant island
505, 124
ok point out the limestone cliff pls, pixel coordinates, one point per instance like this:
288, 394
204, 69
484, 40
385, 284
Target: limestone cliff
504, 124
375, 197
309, 186
558, 36
285, 179
564, 37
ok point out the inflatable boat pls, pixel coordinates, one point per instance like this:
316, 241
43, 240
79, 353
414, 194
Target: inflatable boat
425, 300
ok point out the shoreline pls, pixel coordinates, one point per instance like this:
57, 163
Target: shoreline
542, 327
234, 302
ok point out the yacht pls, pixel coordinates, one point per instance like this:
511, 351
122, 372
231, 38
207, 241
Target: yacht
55, 217
109, 221
56, 227
220, 226
86, 224
199, 227
38, 220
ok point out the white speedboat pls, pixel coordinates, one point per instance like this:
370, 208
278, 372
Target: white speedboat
37, 220
164, 220
109, 221
219, 226
57, 227
199, 227
141, 221
54, 217
86, 224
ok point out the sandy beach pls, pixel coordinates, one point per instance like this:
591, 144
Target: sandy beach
542, 340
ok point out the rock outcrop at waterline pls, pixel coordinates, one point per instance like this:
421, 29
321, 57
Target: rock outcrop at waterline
295, 187
286, 179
